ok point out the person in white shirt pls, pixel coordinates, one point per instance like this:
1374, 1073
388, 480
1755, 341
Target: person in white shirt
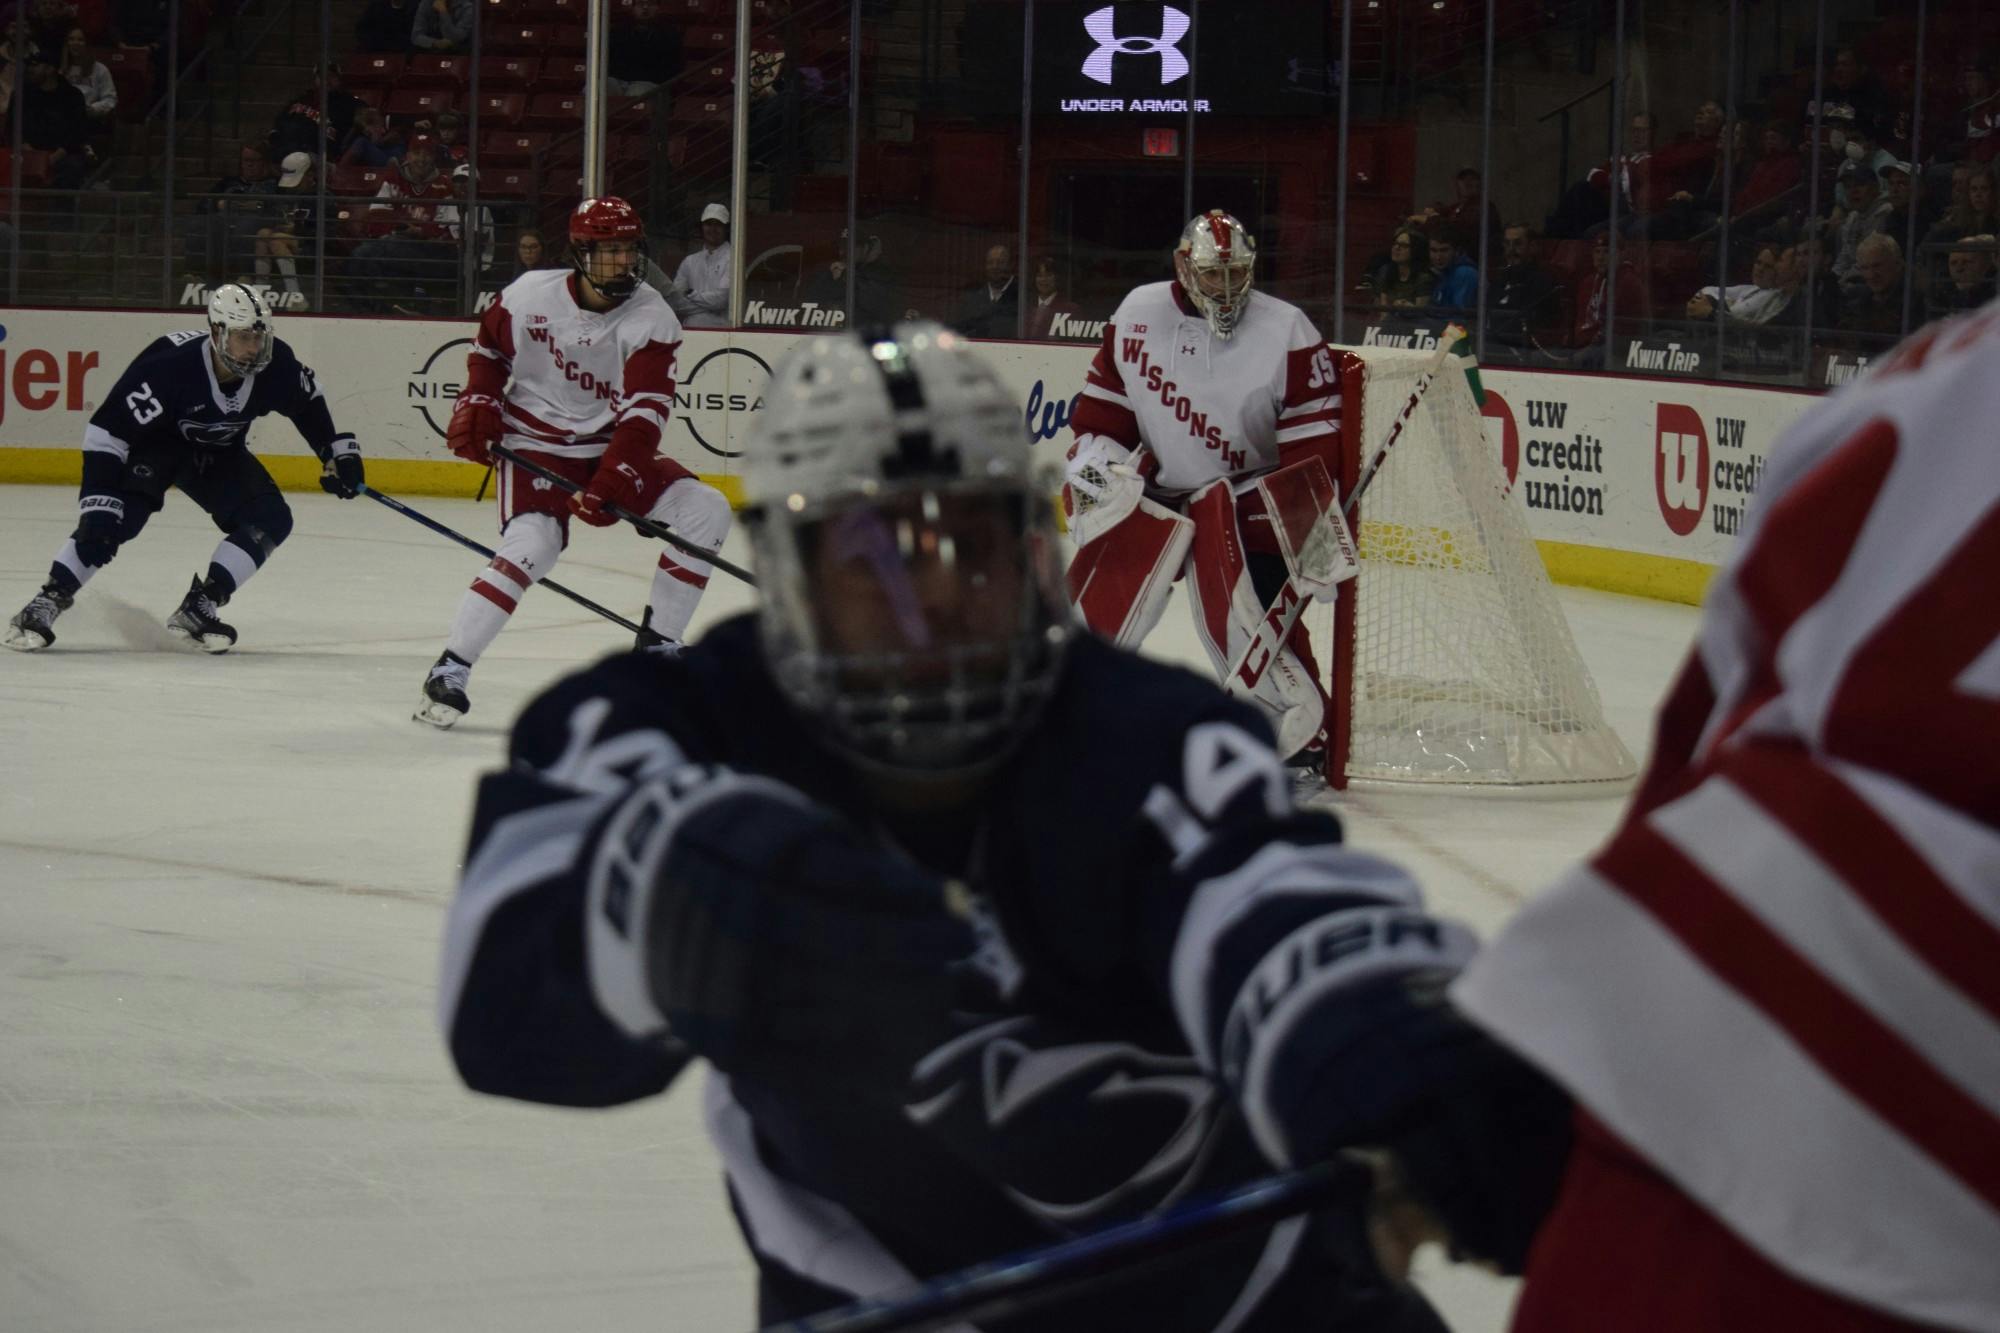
575, 367
705, 275
100, 94
1201, 388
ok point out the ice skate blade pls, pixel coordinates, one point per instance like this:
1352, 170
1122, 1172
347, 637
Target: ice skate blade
434, 714
27, 640
208, 643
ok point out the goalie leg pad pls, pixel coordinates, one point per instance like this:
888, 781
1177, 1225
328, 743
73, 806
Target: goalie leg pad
1120, 581
1227, 613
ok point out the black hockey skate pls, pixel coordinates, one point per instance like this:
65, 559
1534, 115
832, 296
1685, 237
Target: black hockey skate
445, 701
654, 642
34, 627
197, 621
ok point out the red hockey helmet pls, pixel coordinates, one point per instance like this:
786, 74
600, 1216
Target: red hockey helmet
609, 218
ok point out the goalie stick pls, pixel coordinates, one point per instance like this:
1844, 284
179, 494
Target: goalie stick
1275, 625
488, 552
1009, 1286
644, 524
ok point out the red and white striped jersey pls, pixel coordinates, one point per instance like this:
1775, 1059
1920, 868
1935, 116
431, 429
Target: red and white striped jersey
1208, 407
1780, 980
578, 375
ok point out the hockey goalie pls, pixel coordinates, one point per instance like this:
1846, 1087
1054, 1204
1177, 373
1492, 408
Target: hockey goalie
1205, 452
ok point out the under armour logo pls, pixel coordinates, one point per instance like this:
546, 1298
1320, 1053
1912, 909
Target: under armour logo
1101, 25
1187, 349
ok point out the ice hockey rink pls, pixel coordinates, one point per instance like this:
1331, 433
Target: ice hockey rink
224, 1104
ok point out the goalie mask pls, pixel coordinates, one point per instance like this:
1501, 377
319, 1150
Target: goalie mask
600, 230
1215, 263
240, 328
905, 550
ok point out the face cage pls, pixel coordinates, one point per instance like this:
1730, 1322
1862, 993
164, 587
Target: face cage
961, 728
1222, 316
218, 338
619, 285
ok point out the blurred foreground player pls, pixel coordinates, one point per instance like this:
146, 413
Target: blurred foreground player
1209, 407
990, 931
179, 417
1775, 994
575, 367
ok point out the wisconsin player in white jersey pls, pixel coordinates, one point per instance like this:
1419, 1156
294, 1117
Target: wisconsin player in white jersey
1201, 387
575, 367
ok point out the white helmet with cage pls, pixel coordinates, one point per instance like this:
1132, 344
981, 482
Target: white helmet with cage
236, 309
1216, 263
912, 605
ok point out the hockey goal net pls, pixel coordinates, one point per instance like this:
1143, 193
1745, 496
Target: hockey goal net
1453, 662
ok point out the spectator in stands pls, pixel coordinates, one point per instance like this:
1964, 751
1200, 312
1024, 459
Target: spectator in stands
1896, 188
140, 22
1521, 298
1976, 216
1972, 134
1969, 279
50, 22
1457, 286
1587, 204
87, 73
645, 51
294, 208
1594, 301
1776, 277
989, 308
531, 251
704, 276
874, 299
1875, 308
1679, 191
373, 144
55, 121
1852, 96
297, 128
1459, 219
417, 177
238, 209
1863, 150
451, 217
442, 26
1403, 278
1776, 173
448, 141
409, 269
1867, 213
1048, 301
384, 28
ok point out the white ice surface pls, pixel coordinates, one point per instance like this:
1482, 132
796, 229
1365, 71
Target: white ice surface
224, 1104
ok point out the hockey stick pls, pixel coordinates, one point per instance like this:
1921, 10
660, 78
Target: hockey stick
484, 482
489, 553
645, 525
1275, 625
1001, 1288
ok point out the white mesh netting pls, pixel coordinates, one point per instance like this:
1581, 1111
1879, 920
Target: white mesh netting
1464, 669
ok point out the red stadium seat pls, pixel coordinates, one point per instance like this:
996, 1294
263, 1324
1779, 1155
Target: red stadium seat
571, 38
690, 10
359, 71
703, 43
410, 104
519, 39
560, 74
701, 111
503, 74
510, 148
131, 70
501, 110
428, 71
628, 148
635, 113
554, 111
708, 79
560, 11
354, 182
513, 183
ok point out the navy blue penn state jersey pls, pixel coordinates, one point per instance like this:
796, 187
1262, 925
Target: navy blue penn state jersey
170, 399
1132, 864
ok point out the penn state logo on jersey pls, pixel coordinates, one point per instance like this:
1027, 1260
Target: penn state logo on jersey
213, 434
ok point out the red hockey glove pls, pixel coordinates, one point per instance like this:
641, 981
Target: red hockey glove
475, 428
621, 484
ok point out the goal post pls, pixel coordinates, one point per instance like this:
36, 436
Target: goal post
1449, 658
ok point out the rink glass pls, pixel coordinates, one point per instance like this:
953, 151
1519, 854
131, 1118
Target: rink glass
898, 150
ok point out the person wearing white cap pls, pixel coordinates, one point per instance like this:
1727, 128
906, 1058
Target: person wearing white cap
278, 244
705, 275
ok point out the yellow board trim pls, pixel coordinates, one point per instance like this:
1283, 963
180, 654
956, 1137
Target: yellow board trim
299, 472
1660, 577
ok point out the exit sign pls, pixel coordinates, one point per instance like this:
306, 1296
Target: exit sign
1160, 143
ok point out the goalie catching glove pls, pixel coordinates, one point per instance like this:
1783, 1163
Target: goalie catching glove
755, 926
475, 428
